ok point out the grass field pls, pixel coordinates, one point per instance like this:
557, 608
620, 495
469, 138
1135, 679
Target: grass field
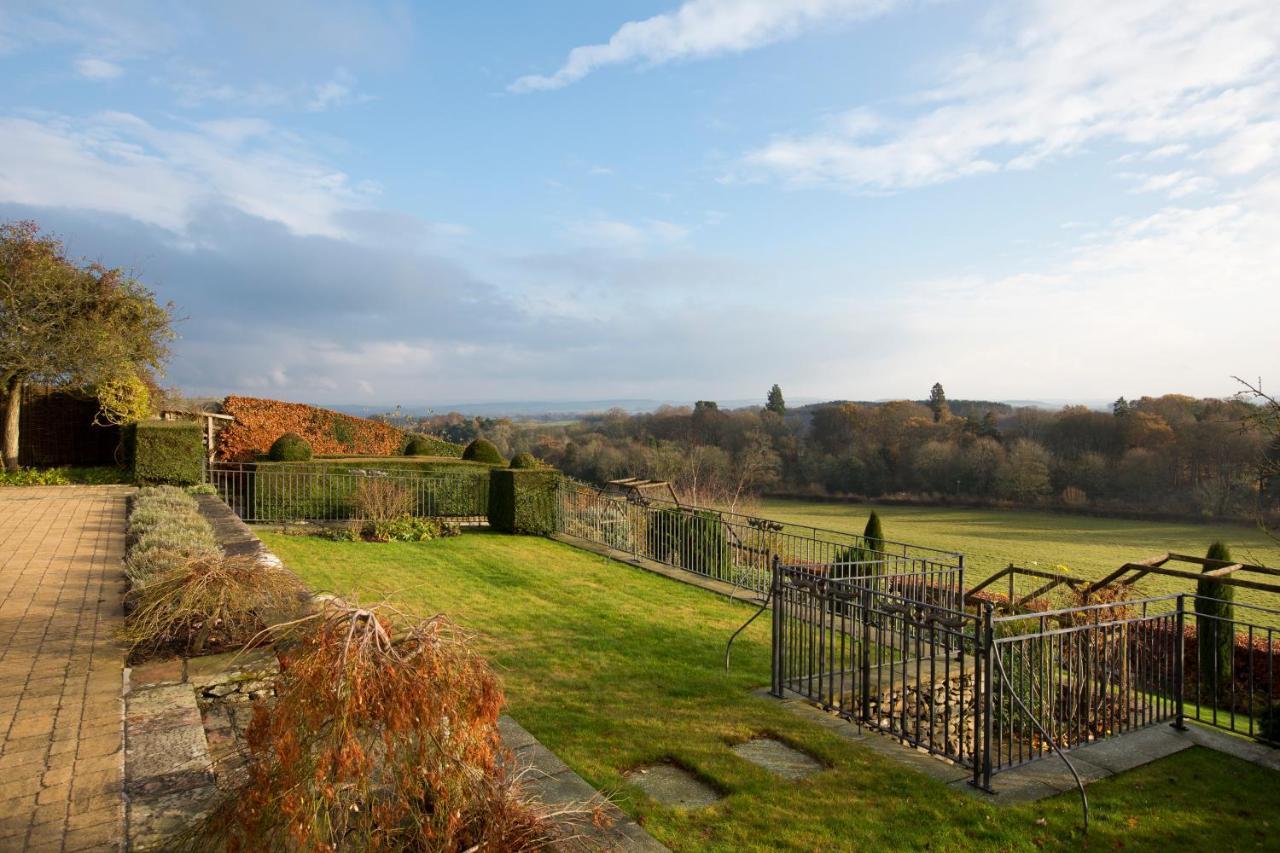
990, 539
613, 667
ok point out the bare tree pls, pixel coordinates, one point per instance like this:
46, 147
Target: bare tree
1267, 419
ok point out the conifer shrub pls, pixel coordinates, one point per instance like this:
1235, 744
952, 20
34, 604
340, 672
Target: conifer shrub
873, 533
483, 450
290, 447
383, 736
1215, 633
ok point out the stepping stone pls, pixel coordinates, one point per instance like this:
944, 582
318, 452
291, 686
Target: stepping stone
673, 786
778, 758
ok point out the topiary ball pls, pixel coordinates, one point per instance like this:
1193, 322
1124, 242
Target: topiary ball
290, 447
482, 450
418, 446
524, 460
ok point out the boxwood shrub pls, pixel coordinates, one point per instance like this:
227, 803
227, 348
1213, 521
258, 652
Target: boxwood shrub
523, 500
524, 460
483, 450
166, 452
290, 447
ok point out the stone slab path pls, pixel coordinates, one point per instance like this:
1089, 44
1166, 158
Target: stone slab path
61, 722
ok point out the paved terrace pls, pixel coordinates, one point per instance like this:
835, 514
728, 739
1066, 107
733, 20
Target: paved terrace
61, 727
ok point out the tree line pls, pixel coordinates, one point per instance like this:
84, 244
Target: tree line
1172, 454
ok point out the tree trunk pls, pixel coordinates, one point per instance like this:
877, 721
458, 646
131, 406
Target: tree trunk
12, 410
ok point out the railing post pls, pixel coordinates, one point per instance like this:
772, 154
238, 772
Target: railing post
865, 673
1179, 661
776, 656
988, 716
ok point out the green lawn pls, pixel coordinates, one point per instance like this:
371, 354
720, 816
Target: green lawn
612, 667
990, 539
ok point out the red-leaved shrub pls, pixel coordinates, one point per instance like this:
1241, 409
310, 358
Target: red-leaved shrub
379, 739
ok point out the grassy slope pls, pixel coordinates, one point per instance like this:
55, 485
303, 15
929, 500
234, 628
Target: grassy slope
1090, 547
613, 667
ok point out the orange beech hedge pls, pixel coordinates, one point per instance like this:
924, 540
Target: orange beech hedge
260, 422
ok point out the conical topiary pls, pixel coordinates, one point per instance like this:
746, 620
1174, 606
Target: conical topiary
1215, 632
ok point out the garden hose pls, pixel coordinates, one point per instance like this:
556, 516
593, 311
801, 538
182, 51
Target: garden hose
745, 625
1084, 799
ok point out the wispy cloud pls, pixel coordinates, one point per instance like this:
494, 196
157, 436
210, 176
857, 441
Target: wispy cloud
97, 69
700, 29
118, 163
618, 234
1145, 73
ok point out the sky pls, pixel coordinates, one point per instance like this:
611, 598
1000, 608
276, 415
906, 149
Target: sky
422, 203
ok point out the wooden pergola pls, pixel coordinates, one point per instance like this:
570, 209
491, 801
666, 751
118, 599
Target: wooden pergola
637, 486
1244, 575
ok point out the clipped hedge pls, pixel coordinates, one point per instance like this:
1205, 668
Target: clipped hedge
285, 491
258, 423
165, 452
290, 447
523, 500
428, 445
483, 450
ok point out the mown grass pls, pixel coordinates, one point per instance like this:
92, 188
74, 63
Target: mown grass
612, 667
1088, 547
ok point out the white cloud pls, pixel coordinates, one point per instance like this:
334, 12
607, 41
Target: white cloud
700, 29
98, 69
617, 234
1146, 73
119, 163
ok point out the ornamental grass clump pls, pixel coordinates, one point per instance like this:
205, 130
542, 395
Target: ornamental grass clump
209, 603
380, 738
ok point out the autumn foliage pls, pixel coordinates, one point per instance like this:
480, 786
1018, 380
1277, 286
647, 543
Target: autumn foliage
258, 423
379, 739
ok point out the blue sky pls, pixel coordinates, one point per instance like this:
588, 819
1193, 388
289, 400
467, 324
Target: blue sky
441, 202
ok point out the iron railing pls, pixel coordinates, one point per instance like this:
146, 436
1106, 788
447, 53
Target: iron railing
319, 493
735, 548
1066, 678
893, 654
884, 651
1231, 669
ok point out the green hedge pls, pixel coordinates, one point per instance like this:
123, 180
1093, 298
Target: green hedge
429, 445
523, 500
166, 452
483, 450
290, 447
284, 491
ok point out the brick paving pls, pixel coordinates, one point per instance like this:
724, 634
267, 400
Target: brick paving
61, 756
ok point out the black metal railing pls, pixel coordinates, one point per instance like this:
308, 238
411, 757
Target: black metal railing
735, 548
1230, 669
319, 493
885, 651
891, 653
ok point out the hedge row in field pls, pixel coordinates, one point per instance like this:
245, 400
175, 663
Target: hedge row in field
258, 423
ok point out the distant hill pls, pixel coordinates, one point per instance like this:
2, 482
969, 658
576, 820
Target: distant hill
545, 408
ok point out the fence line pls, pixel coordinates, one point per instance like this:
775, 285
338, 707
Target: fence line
316, 493
739, 549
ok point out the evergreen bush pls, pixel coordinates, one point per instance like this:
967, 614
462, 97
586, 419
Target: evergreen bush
524, 460
483, 450
1215, 632
290, 447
